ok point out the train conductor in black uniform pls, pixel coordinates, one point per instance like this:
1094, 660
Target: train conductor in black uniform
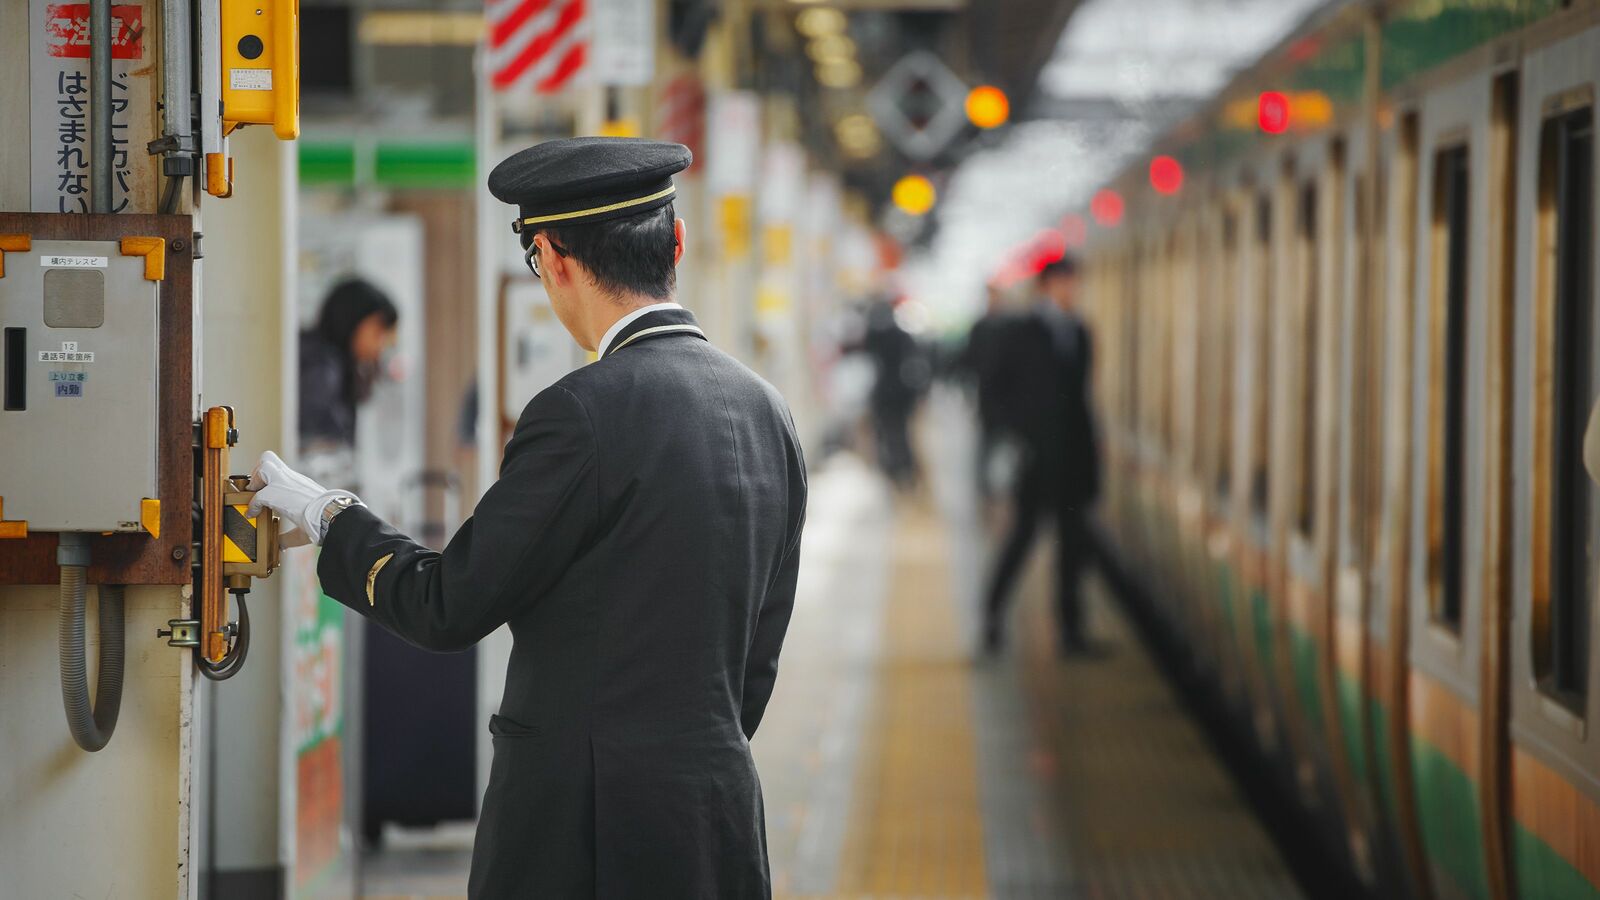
642, 542
1045, 371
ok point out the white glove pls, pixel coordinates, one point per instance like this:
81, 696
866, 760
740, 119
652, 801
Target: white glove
296, 498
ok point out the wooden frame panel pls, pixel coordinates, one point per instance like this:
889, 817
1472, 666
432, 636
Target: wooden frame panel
133, 558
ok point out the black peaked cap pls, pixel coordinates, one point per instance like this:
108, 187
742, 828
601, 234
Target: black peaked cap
575, 181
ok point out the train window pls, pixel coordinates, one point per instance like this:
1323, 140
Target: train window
1566, 192
1259, 441
1448, 389
1306, 251
1225, 323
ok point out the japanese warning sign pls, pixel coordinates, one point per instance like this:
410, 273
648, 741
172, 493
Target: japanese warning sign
59, 106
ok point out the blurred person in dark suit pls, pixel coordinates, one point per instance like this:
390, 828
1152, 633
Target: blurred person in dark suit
901, 375
1044, 371
982, 359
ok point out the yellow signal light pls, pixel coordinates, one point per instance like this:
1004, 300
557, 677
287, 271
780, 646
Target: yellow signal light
914, 195
988, 106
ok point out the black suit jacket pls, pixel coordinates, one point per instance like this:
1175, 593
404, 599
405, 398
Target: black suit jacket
643, 542
1045, 373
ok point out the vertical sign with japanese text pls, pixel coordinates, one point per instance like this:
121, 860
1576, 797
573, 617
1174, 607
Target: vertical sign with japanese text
60, 100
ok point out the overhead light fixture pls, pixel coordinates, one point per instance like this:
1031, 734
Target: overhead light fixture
858, 136
839, 75
396, 28
831, 48
820, 20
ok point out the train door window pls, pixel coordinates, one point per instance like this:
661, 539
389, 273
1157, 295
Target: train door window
1225, 323
1448, 384
1566, 240
1306, 254
1259, 439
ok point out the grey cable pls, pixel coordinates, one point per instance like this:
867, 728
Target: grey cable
91, 726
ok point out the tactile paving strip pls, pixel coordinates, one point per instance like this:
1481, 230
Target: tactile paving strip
917, 830
1146, 810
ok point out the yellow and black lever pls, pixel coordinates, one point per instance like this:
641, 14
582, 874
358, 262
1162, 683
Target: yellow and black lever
232, 548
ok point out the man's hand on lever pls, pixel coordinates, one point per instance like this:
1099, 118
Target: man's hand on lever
298, 500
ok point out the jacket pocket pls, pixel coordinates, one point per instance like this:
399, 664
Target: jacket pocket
500, 726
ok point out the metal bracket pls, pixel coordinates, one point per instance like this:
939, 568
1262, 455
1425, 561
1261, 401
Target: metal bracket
181, 632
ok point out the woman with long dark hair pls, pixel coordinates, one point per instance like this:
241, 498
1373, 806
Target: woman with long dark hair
339, 359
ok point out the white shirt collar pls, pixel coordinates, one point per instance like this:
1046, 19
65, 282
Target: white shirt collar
616, 327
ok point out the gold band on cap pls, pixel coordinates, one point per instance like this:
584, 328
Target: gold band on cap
519, 224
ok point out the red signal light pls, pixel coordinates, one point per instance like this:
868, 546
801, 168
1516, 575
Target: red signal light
1272, 112
1106, 207
1051, 246
1166, 175
1074, 229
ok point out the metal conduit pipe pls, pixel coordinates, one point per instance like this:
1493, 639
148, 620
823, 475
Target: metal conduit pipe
100, 106
176, 109
91, 726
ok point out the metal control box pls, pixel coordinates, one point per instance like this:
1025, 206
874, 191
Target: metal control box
78, 385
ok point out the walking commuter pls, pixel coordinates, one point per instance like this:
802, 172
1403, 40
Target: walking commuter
642, 542
983, 358
900, 375
1048, 362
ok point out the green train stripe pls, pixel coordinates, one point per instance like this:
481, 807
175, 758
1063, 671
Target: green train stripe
1353, 726
1544, 874
1378, 715
1429, 33
1447, 808
1225, 596
1262, 615
1304, 655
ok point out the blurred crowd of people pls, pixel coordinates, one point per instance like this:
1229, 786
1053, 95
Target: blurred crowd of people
1026, 363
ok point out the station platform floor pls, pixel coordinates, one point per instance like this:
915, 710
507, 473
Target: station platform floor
897, 763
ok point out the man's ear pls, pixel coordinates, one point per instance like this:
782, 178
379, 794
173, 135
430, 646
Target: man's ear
553, 267
678, 232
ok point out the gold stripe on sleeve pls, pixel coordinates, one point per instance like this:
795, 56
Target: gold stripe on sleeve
372, 577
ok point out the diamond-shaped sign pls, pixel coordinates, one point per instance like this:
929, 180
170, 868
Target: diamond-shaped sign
919, 104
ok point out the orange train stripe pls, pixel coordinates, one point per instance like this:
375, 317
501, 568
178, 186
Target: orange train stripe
1556, 812
1444, 720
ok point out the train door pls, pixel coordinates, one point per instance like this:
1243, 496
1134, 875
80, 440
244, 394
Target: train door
1359, 358
1221, 373
1448, 515
1315, 258
1190, 299
1387, 612
1291, 512
1116, 377
1130, 431
1160, 463
1253, 456
1554, 693
1154, 378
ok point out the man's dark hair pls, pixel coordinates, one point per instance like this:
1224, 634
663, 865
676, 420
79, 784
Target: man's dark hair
626, 256
1065, 267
